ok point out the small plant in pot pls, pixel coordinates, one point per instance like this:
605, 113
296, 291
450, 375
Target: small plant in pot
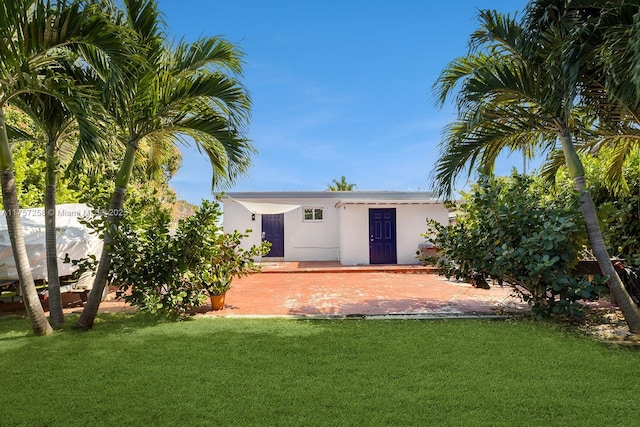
228, 261
211, 259
173, 272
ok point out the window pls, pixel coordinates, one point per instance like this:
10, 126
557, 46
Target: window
313, 214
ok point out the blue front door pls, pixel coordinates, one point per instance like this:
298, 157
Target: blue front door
273, 231
382, 236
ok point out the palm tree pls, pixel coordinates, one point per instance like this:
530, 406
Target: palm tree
520, 92
341, 185
604, 43
69, 134
612, 86
36, 36
187, 93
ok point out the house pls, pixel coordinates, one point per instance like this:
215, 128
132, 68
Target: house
353, 227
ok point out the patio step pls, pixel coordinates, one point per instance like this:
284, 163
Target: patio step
336, 267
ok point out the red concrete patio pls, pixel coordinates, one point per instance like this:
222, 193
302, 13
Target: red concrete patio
329, 289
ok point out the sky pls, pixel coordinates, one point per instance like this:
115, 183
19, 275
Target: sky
338, 88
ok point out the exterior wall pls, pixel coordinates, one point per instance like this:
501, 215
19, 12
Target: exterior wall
354, 234
237, 217
311, 241
410, 223
303, 241
343, 234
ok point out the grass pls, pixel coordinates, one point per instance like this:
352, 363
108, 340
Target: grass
134, 370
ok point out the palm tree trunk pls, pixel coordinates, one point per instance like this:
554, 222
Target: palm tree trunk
88, 316
30, 297
619, 292
55, 300
56, 317
629, 309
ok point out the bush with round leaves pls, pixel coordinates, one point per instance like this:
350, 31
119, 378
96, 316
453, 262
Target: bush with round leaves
512, 231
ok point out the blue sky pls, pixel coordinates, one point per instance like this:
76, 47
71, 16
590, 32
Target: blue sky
339, 87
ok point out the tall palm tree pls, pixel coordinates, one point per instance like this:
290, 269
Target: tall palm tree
604, 42
186, 93
517, 91
69, 134
612, 82
36, 35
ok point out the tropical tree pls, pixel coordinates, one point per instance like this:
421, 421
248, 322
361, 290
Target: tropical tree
520, 91
603, 43
37, 37
183, 93
67, 134
341, 185
540, 235
616, 74
619, 212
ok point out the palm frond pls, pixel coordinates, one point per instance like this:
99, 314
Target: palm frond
16, 134
159, 156
516, 91
476, 141
549, 170
207, 53
498, 33
145, 19
229, 152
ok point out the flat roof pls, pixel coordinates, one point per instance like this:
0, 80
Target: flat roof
344, 196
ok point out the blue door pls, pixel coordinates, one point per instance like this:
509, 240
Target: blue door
382, 236
273, 231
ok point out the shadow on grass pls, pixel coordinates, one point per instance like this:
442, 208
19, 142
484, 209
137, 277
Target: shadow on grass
16, 326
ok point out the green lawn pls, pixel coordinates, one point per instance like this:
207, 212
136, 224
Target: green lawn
132, 370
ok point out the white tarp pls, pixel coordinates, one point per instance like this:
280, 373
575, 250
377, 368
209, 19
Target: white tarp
72, 238
267, 208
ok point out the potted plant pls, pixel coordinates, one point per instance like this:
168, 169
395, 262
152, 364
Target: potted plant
211, 259
227, 261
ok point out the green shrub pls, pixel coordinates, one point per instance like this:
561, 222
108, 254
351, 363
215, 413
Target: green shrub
619, 210
147, 267
210, 258
172, 272
617, 199
510, 230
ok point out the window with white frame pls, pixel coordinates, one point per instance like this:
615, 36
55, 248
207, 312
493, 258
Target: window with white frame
313, 214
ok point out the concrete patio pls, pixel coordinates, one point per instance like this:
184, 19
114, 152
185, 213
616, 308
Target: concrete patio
330, 290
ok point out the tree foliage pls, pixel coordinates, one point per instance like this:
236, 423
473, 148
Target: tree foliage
178, 93
521, 87
510, 230
164, 271
67, 63
618, 211
40, 40
341, 185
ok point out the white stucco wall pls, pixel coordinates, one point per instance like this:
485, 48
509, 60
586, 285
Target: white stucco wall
237, 217
303, 241
410, 223
343, 234
311, 241
354, 235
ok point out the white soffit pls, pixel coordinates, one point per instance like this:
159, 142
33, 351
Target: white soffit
266, 208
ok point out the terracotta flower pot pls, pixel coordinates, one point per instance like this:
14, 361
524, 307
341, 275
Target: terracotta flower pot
217, 301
